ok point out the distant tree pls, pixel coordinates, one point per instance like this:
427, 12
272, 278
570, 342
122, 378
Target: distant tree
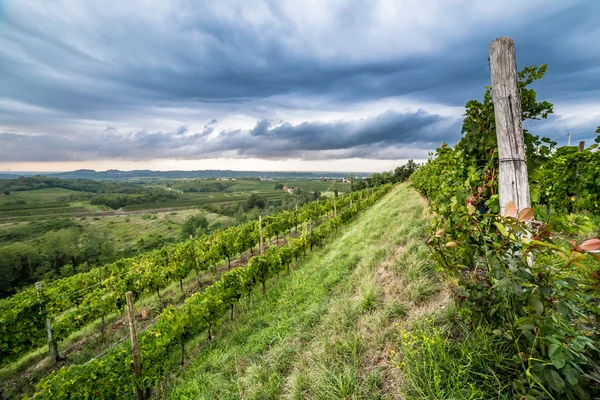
257, 201
194, 225
61, 247
6, 192
278, 186
20, 265
316, 195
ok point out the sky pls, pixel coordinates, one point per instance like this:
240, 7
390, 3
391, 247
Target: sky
294, 85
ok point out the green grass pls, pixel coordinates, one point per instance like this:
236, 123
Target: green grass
319, 332
441, 360
127, 230
39, 195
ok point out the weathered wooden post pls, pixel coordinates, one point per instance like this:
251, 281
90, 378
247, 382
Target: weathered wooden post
513, 180
262, 250
310, 232
100, 276
334, 209
52, 346
135, 351
582, 145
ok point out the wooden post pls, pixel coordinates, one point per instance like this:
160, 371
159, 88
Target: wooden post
262, 250
581, 145
350, 202
100, 283
310, 232
52, 346
135, 351
334, 209
513, 180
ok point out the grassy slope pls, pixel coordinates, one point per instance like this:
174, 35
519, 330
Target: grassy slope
326, 330
127, 230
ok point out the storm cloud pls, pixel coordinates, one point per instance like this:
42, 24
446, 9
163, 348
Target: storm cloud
139, 80
390, 135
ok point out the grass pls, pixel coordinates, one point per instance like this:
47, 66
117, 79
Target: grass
323, 331
439, 360
127, 230
364, 317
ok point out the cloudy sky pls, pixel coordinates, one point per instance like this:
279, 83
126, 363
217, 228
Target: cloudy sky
356, 85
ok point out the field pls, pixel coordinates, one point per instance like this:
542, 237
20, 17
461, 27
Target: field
82, 344
60, 202
77, 224
326, 331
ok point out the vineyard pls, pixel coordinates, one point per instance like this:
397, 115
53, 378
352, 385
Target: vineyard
74, 302
477, 279
523, 276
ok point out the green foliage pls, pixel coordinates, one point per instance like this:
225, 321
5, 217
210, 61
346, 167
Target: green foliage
195, 225
257, 201
570, 180
116, 201
437, 364
110, 376
400, 174
73, 302
535, 290
541, 307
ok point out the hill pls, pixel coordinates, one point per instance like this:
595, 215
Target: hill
327, 330
115, 174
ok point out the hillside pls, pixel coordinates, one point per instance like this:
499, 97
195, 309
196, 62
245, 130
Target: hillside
326, 330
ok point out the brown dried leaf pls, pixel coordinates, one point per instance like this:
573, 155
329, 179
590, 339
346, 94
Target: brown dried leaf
510, 210
451, 245
526, 214
440, 233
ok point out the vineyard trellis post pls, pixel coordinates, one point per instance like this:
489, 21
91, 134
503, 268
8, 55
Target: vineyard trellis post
513, 179
52, 346
334, 209
582, 145
100, 283
310, 233
261, 235
135, 351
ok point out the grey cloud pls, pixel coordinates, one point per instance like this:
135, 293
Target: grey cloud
389, 135
202, 57
126, 64
182, 129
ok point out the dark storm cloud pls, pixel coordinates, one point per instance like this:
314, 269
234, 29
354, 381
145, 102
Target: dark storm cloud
389, 135
124, 67
118, 63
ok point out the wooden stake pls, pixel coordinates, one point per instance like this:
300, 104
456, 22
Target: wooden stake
581, 145
513, 179
262, 250
52, 346
334, 209
310, 232
135, 351
100, 282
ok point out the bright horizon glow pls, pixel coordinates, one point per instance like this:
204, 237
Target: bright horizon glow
252, 165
